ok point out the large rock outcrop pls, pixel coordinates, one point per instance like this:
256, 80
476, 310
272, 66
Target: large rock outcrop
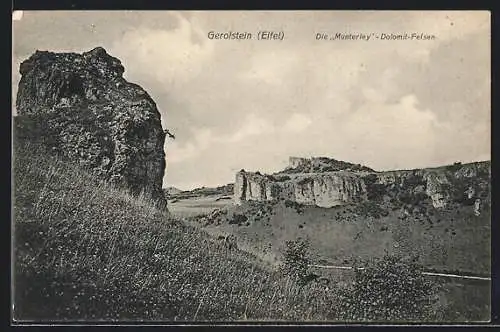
326, 190
81, 107
465, 184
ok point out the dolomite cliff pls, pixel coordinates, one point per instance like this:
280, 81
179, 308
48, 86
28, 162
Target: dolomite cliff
81, 107
465, 184
325, 190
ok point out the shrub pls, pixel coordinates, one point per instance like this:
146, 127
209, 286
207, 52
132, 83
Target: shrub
282, 178
371, 209
412, 198
329, 169
305, 181
299, 208
375, 191
455, 167
413, 180
238, 219
390, 288
296, 260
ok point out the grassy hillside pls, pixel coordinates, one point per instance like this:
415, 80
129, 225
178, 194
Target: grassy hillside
447, 240
85, 250
452, 239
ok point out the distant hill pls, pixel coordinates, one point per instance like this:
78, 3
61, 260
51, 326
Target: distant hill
225, 190
320, 165
171, 191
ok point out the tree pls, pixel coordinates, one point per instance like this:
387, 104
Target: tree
296, 260
390, 289
167, 132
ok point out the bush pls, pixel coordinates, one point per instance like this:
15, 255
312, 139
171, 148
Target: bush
238, 219
305, 181
282, 178
371, 209
411, 198
455, 167
299, 208
296, 260
390, 289
375, 191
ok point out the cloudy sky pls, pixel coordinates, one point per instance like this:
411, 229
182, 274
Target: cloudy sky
251, 104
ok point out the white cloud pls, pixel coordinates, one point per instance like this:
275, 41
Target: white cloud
450, 24
251, 104
397, 135
373, 95
253, 126
203, 139
270, 67
297, 122
178, 152
171, 56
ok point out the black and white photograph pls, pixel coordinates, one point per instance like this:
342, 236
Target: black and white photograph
219, 167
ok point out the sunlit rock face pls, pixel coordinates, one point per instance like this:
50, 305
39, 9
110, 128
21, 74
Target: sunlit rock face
330, 182
81, 107
325, 190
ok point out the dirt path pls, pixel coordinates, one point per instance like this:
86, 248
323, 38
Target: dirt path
425, 273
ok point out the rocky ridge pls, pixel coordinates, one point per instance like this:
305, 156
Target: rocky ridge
465, 184
81, 107
321, 164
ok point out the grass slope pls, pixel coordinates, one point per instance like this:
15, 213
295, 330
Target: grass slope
452, 239
449, 240
87, 251
84, 250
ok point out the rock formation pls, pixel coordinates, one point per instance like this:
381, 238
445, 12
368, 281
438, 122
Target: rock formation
321, 164
324, 190
465, 184
82, 108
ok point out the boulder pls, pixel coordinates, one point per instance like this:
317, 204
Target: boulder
82, 108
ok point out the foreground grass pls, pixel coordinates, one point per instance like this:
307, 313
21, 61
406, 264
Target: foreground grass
87, 251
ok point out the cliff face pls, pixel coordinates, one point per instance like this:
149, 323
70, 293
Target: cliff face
253, 186
465, 184
81, 107
326, 190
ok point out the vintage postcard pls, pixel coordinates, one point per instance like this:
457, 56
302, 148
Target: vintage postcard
251, 166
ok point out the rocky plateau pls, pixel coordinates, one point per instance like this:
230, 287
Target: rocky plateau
328, 182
